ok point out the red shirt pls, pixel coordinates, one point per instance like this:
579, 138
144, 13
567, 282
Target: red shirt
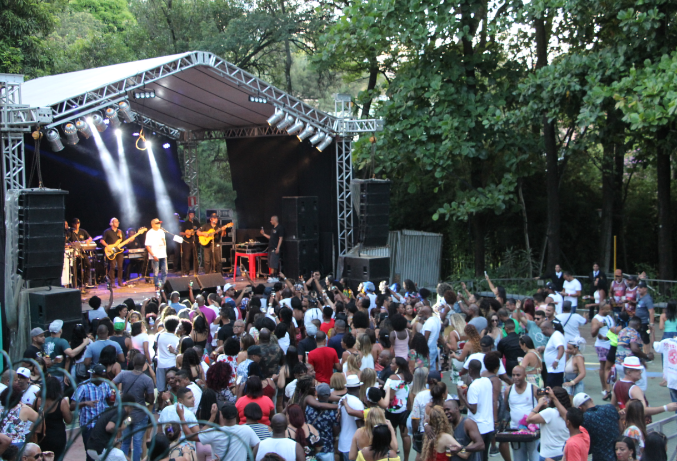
264, 402
576, 448
327, 326
323, 360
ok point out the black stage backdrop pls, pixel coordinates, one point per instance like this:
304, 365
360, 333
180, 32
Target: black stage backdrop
79, 170
266, 169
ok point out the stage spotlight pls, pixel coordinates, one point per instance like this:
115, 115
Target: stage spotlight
324, 144
97, 121
112, 117
71, 133
144, 94
258, 99
305, 133
54, 140
83, 127
288, 120
317, 138
118, 132
125, 112
166, 145
298, 126
276, 117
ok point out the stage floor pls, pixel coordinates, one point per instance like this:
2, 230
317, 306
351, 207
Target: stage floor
139, 290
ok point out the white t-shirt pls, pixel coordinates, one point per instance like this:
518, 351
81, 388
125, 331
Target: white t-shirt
290, 389
348, 425
550, 353
138, 340
573, 322
372, 301
432, 325
571, 287
668, 347
97, 313
197, 393
169, 415
480, 356
607, 322
480, 392
166, 359
312, 314
31, 394
155, 239
421, 400
557, 299
286, 302
283, 447
554, 433
231, 440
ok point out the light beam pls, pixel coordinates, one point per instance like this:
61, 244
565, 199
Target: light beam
129, 205
164, 203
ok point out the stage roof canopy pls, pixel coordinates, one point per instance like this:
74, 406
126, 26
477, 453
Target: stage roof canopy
194, 92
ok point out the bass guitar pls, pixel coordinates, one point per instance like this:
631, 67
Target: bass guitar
115, 249
206, 240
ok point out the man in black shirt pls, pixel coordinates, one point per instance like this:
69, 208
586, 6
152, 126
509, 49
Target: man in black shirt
82, 261
509, 346
210, 252
110, 237
274, 244
188, 247
36, 349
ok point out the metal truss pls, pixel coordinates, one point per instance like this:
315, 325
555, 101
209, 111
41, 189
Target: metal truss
344, 199
190, 173
233, 133
14, 122
349, 126
149, 123
13, 161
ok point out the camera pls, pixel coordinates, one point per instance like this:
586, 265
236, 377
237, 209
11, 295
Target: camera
541, 391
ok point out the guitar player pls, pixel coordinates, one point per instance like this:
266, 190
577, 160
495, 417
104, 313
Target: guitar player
110, 237
188, 248
210, 252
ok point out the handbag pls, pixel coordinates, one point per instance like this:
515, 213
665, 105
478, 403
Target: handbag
81, 372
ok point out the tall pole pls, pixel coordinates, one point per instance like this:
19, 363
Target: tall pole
614, 253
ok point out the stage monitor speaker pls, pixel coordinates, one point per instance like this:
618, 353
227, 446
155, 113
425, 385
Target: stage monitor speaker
55, 303
180, 284
358, 269
371, 198
300, 217
41, 233
209, 282
300, 257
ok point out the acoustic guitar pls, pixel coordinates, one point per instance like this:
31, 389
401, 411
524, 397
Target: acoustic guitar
206, 240
115, 249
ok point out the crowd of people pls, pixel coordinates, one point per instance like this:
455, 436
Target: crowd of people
310, 370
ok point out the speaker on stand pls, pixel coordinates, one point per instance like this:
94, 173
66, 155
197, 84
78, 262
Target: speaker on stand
300, 247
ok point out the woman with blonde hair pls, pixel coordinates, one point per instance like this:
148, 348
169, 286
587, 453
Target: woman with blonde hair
364, 347
353, 365
337, 382
471, 346
363, 437
436, 449
368, 378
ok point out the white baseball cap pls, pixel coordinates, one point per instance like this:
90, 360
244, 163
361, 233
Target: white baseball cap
580, 399
56, 326
23, 371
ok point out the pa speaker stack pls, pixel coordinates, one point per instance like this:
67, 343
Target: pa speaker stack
301, 247
55, 303
371, 200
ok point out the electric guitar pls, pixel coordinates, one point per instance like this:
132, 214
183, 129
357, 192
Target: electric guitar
115, 249
204, 241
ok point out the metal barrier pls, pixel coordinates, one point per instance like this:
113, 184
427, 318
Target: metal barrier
670, 434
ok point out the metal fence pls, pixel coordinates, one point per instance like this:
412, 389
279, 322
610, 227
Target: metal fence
668, 427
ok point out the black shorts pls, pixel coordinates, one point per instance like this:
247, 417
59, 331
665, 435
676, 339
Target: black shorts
611, 356
397, 419
644, 333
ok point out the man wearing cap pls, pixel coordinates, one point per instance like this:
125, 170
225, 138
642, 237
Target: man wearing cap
156, 245
645, 311
110, 237
349, 424
211, 252
601, 422
37, 347
308, 343
628, 388
91, 397
82, 236
188, 247
554, 296
629, 344
22, 383
274, 244
57, 348
324, 420
323, 359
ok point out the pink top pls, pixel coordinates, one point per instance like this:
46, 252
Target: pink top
401, 346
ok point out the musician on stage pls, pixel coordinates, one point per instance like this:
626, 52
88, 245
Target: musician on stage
77, 234
111, 236
274, 244
156, 244
211, 256
188, 247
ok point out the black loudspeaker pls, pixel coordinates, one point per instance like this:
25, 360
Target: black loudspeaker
366, 268
300, 257
209, 282
300, 218
55, 303
327, 252
41, 233
180, 284
372, 201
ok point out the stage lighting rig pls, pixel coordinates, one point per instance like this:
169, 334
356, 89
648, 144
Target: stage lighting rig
125, 112
298, 126
258, 99
288, 120
317, 138
144, 94
83, 127
54, 140
112, 117
166, 145
324, 144
71, 133
98, 123
276, 117
309, 130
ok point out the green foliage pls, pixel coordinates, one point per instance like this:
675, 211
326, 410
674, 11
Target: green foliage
215, 183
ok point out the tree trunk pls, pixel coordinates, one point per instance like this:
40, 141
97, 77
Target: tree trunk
664, 205
371, 84
287, 51
526, 227
606, 227
619, 206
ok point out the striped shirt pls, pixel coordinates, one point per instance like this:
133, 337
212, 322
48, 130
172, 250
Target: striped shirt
89, 391
261, 430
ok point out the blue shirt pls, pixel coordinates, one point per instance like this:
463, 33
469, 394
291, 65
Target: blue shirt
536, 334
93, 351
88, 391
643, 305
335, 343
324, 421
601, 422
